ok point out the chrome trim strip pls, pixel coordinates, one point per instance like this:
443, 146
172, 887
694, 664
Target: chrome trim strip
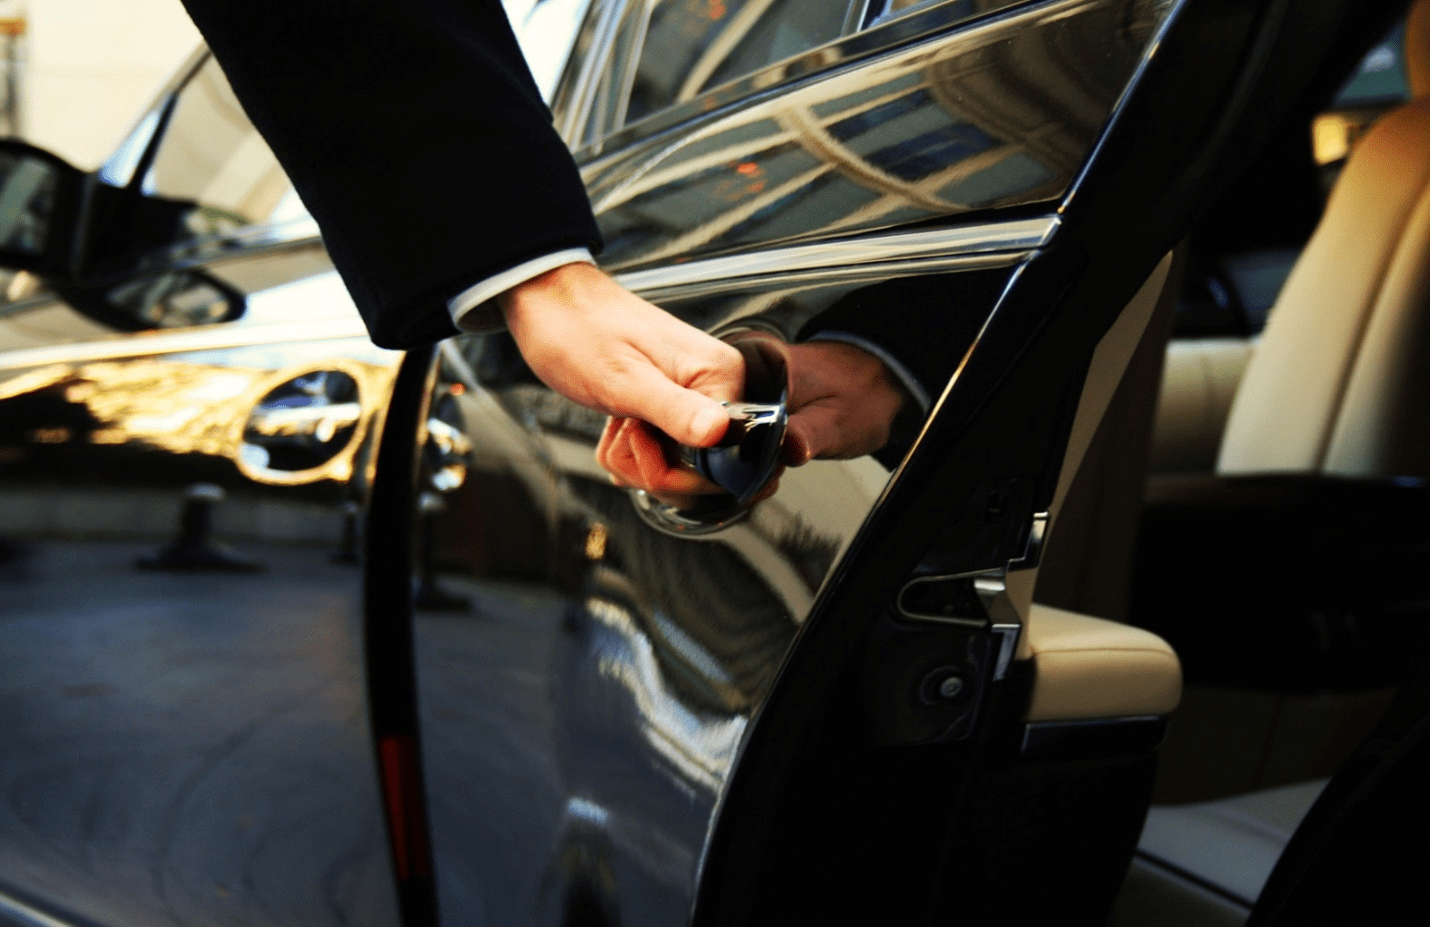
578, 111
852, 274
13, 910
299, 232
184, 342
976, 247
850, 254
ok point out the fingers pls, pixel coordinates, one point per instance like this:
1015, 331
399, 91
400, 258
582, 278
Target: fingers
635, 457
690, 417
843, 404
602, 346
797, 449
816, 430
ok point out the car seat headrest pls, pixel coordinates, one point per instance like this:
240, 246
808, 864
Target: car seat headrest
1417, 48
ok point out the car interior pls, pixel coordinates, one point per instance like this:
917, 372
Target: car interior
1262, 511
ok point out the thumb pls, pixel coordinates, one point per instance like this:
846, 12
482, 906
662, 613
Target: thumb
688, 416
817, 430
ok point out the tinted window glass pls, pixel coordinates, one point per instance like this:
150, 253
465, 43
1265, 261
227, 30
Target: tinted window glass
883, 10
786, 29
1380, 77
694, 44
212, 155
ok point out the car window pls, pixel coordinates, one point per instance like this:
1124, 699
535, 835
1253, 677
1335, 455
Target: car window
883, 10
783, 30
694, 44
211, 156
1380, 78
610, 94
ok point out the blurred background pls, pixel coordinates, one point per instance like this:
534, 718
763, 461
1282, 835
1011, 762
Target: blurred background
78, 72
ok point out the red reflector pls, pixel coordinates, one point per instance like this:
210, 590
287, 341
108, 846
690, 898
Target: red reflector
400, 792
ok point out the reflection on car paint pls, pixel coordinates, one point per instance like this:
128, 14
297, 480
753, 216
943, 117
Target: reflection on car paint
942, 128
658, 651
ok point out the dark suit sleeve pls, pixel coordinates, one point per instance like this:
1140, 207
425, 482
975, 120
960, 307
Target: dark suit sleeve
415, 135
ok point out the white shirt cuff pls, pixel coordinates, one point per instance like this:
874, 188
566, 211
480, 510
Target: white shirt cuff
473, 310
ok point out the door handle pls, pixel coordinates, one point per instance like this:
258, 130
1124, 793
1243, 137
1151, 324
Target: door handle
746, 459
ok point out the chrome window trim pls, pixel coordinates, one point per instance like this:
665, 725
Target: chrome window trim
959, 247
575, 115
858, 273
300, 232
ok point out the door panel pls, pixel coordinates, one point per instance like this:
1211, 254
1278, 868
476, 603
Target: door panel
585, 678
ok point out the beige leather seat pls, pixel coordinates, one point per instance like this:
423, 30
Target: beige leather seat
1339, 386
1339, 383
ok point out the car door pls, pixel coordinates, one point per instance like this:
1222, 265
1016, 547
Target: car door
186, 441
839, 702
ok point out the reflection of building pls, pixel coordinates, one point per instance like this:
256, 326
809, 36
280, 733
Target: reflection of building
990, 121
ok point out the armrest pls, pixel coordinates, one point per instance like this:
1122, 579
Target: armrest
1088, 668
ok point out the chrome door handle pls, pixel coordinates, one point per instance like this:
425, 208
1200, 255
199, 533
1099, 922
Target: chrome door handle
746, 459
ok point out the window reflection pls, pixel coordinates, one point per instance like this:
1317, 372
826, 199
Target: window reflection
986, 122
695, 44
784, 29
212, 155
608, 100
888, 9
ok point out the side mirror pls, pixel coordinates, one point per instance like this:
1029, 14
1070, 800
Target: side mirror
170, 299
40, 206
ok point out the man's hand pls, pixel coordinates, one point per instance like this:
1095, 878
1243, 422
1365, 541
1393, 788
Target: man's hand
595, 342
842, 403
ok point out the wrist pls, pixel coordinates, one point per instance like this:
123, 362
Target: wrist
561, 284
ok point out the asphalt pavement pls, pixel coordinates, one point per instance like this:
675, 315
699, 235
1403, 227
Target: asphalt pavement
187, 748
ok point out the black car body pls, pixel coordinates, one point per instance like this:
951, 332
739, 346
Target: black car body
547, 699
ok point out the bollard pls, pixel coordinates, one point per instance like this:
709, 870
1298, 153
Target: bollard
349, 548
194, 548
429, 595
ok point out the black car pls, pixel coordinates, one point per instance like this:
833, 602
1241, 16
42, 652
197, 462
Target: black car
298, 630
